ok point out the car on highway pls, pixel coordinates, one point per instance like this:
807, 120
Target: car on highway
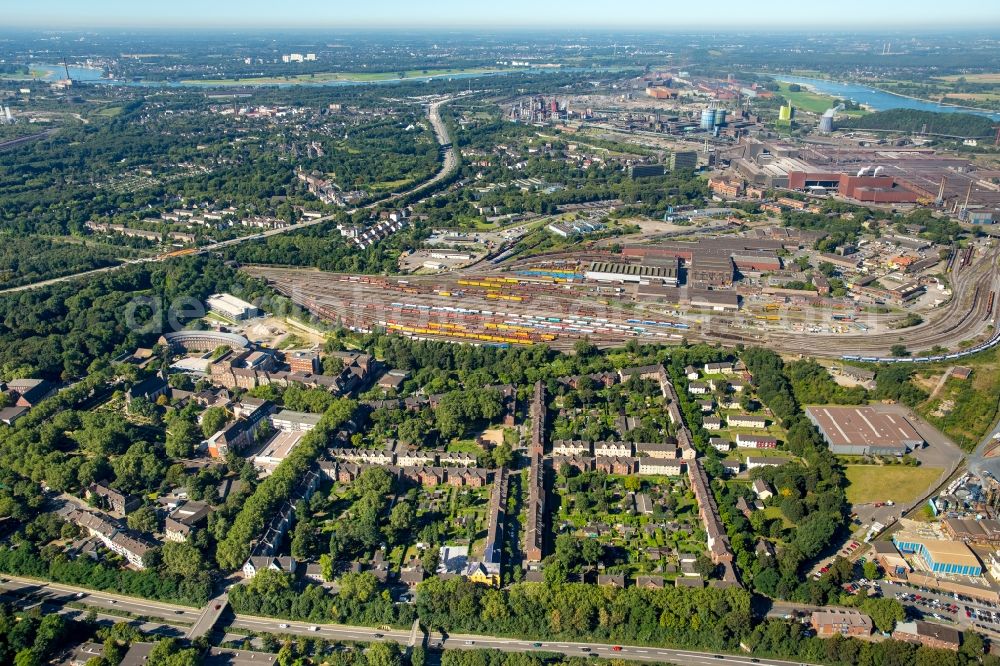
377, 635
616, 648
114, 601
178, 612
536, 645
283, 626
470, 642
314, 628
585, 649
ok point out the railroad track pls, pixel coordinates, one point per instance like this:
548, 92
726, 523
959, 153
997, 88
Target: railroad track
570, 312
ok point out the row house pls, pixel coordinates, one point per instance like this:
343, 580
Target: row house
708, 510
601, 379
113, 535
571, 447
615, 465
457, 459
698, 388
660, 466
655, 372
364, 456
720, 444
579, 463
746, 421
258, 563
731, 467
712, 423
753, 462
612, 449
414, 458
268, 544
112, 499
724, 368
745, 441
656, 450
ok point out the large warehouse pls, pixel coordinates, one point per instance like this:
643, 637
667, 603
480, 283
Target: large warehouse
862, 431
229, 306
664, 273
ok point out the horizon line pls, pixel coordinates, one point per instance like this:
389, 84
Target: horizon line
740, 27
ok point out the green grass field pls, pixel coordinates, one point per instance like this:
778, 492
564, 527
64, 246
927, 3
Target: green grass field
880, 483
812, 102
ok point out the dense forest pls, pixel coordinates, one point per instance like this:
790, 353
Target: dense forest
909, 120
59, 330
32, 259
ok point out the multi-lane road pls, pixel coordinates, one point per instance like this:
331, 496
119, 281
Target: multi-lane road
448, 165
174, 620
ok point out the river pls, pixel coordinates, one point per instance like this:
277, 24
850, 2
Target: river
877, 100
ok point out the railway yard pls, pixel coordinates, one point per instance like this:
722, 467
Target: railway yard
550, 299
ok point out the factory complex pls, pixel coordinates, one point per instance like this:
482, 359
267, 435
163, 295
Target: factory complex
872, 174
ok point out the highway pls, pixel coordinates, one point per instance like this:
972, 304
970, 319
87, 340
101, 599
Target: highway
448, 165
57, 596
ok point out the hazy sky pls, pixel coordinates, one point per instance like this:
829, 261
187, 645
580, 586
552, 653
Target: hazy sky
875, 14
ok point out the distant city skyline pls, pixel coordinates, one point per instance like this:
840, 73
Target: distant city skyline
648, 14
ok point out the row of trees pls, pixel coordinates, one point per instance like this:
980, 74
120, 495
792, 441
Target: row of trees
812, 497
51, 564
359, 601
707, 618
278, 487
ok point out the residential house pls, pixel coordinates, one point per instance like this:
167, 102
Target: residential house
612, 449
929, 634
112, 499
659, 466
762, 489
30, 392
754, 462
611, 580
649, 582
746, 421
720, 444
731, 467
612, 465
831, 622
745, 441
698, 388
182, 521
570, 447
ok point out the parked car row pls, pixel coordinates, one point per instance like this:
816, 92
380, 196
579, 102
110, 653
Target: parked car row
929, 603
